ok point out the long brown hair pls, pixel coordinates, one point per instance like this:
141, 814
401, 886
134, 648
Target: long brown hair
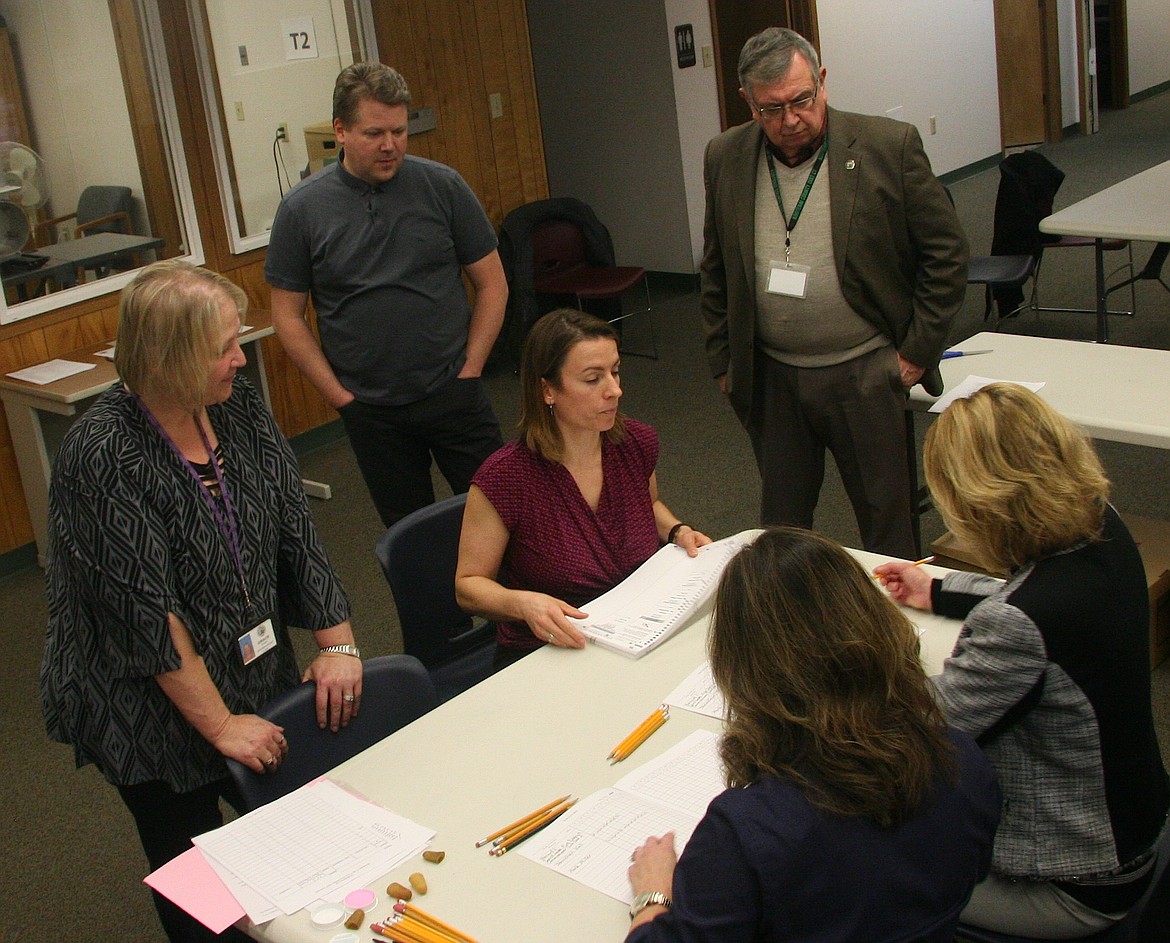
823, 683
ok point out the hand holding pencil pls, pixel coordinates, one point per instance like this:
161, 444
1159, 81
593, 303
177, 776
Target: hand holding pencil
906, 582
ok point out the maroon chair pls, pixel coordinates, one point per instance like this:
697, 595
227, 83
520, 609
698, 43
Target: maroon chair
560, 267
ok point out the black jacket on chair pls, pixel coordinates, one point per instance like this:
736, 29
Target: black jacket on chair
1027, 186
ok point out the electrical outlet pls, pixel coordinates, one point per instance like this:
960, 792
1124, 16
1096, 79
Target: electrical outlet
282, 132
933, 124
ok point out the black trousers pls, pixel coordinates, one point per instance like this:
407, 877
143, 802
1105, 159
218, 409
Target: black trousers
394, 445
856, 411
166, 822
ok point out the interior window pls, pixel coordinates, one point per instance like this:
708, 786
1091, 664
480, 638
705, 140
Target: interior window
268, 71
91, 178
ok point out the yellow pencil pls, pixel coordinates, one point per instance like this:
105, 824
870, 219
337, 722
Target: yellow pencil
421, 915
523, 820
532, 828
929, 559
638, 735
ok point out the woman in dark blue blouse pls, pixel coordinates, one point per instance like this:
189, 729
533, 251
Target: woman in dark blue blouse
852, 813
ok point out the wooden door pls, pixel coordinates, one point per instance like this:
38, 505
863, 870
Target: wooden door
1028, 61
732, 23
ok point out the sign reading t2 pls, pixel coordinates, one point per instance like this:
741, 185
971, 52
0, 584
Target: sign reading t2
300, 38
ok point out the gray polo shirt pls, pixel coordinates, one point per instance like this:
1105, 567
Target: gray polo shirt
383, 265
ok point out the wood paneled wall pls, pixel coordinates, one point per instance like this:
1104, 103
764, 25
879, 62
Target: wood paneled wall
454, 54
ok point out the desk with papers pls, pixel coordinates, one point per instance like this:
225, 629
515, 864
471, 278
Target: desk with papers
537, 730
1114, 393
40, 415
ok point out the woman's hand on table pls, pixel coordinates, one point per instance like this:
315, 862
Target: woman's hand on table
907, 584
547, 618
257, 743
339, 688
690, 539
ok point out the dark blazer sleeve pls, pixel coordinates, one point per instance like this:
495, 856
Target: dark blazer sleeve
901, 251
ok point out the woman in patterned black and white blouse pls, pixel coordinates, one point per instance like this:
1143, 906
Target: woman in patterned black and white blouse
181, 547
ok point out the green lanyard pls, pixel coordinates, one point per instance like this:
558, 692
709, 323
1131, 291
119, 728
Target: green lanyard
790, 223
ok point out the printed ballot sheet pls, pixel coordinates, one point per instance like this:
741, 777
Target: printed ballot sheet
654, 601
316, 843
593, 841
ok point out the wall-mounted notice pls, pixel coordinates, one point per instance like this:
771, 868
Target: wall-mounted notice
300, 38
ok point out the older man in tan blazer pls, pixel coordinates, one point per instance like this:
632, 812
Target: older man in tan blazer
832, 267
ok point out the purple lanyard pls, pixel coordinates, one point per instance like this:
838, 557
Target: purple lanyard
225, 517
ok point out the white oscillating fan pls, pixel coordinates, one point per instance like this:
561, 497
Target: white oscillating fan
22, 193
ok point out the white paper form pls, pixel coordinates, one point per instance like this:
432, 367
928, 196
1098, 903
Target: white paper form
972, 384
316, 843
654, 601
699, 694
593, 841
51, 370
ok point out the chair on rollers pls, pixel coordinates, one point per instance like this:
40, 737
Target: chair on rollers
418, 555
1147, 922
396, 690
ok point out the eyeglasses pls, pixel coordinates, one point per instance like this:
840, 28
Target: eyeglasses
777, 112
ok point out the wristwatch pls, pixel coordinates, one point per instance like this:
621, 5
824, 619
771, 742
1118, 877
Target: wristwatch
343, 650
649, 899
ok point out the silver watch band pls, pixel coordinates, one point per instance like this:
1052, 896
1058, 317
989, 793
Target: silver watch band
649, 899
343, 650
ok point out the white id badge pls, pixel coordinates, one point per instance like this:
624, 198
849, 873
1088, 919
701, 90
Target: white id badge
788, 279
254, 643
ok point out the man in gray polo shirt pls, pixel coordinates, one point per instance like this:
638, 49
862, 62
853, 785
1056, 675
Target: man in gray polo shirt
379, 240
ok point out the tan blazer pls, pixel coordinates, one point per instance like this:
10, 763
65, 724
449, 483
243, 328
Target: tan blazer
900, 250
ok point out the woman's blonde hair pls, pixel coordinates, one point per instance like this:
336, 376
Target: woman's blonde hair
823, 683
543, 358
170, 331
1013, 478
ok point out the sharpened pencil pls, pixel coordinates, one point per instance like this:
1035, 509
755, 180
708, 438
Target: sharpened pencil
929, 559
543, 822
404, 930
523, 820
639, 735
422, 916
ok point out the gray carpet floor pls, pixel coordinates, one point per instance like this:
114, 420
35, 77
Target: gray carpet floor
70, 845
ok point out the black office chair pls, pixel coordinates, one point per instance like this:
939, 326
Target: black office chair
1147, 922
396, 690
418, 555
1028, 185
100, 209
998, 273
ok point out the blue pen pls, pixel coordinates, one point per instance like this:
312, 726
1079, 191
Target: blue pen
947, 355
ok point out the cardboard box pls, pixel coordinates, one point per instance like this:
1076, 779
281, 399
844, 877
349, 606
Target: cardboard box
1153, 540
321, 145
